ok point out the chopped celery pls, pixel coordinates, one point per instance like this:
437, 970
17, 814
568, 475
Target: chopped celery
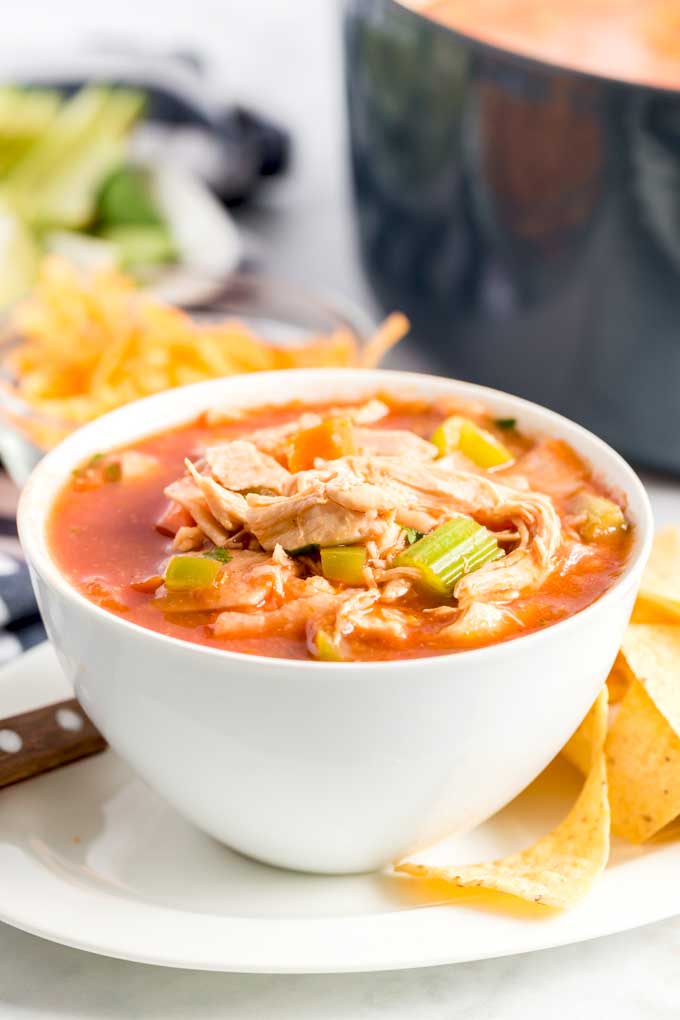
344, 563
475, 442
325, 647
187, 573
599, 516
446, 437
450, 551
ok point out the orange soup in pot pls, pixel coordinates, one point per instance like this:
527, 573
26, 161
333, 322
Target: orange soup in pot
632, 40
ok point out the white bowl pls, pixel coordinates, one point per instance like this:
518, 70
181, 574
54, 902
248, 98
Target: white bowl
328, 767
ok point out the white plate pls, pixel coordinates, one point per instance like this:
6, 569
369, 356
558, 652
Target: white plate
89, 857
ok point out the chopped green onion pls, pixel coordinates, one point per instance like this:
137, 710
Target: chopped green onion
450, 551
187, 573
413, 535
475, 442
219, 554
92, 462
344, 563
599, 516
325, 647
505, 423
113, 472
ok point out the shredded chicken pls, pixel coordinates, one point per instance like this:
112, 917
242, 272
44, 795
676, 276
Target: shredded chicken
188, 538
240, 466
240, 495
310, 518
288, 620
134, 464
187, 494
229, 508
476, 621
393, 443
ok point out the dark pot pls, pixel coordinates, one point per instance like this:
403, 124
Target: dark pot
526, 217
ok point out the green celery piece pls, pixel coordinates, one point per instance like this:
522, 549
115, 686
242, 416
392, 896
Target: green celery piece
141, 246
25, 114
344, 563
125, 199
57, 181
73, 124
326, 648
450, 551
189, 573
68, 200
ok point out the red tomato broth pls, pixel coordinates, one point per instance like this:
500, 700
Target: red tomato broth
104, 538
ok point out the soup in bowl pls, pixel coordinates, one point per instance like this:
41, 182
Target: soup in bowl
333, 616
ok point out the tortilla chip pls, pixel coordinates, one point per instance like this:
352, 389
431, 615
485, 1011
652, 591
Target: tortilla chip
649, 610
589, 735
619, 680
560, 869
643, 744
659, 595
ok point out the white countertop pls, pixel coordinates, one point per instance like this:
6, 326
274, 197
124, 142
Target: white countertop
285, 58
631, 977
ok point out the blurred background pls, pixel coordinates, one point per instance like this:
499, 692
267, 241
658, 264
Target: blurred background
506, 174
267, 58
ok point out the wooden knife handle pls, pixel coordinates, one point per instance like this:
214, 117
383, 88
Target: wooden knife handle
45, 738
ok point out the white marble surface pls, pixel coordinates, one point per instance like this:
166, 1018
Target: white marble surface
631, 977
284, 57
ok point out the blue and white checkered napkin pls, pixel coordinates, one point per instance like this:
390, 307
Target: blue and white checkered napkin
20, 623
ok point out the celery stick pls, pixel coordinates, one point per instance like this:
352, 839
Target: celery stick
325, 647
57, 180
480, 446
188, 573
446, 437
450, 551
344, 563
